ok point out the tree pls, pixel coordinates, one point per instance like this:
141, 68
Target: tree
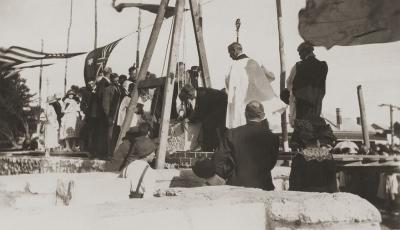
14, 96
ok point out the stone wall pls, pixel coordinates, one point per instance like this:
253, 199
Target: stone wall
215, 207
13, 165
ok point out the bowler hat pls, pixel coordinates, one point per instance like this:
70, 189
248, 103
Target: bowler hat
204, 168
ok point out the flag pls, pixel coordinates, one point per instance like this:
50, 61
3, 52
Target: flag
16, 55
350, 22
152, 8
96, 61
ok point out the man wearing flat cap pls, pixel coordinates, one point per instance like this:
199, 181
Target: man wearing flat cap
249, 152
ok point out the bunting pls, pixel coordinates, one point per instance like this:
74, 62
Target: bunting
16, 55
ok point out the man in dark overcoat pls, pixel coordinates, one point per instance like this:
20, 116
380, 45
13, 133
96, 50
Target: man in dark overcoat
100, 122
248, 153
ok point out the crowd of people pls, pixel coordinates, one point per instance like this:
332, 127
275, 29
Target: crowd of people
233, 120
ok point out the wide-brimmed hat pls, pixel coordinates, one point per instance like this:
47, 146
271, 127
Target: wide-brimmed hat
51, 99
71, 92
143, 147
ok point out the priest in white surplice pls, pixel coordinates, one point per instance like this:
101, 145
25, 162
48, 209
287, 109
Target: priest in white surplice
247, 81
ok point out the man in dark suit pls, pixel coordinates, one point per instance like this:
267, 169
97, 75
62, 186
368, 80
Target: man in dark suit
99, 120
111, 101
248, 153
207, 106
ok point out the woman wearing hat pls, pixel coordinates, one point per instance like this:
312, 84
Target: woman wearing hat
69, 121
50, 125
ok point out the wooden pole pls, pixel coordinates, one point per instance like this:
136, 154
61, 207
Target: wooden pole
68, 36
139, 30
201, 49
391, 127
283, 74
41, 77
364, 124
143, 69
40, 90
95, 24
391, 109
169, 83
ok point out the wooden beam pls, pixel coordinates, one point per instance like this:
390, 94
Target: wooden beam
143, 69
152, 83
283, 74
169, 83
363, 116
201, 49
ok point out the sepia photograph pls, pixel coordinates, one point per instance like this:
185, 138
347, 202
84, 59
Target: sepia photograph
199, 114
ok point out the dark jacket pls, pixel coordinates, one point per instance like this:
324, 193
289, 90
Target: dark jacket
309, 87
110, 102
124, 155
247, 155
210, 110
96, 105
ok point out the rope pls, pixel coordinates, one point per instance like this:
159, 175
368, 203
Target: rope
166, 50
163, 67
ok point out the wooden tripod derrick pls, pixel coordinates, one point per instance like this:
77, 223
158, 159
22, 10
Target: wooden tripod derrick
168, 81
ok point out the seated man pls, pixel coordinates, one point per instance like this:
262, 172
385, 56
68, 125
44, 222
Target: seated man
248, 153
207, 106
141, 176
125, 152
132, 159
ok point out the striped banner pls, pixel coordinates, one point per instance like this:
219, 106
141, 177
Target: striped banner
16, 55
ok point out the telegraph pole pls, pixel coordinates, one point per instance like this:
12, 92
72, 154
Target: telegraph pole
391, 108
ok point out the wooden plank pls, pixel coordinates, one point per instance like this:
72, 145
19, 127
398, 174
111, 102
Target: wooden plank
143, 68
169, 83
152, 83
201, 49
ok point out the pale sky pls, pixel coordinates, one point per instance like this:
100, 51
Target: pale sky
26, 22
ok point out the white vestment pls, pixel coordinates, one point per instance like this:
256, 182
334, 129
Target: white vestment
245, 82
